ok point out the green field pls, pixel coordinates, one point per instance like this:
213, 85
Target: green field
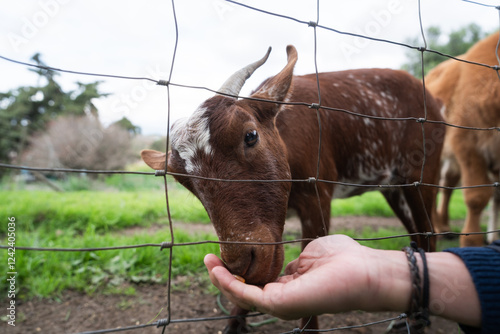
128, 210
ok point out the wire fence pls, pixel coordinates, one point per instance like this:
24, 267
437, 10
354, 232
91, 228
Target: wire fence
314, 179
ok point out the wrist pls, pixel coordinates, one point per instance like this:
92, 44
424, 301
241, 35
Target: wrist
452, 291
452, 294
390, 284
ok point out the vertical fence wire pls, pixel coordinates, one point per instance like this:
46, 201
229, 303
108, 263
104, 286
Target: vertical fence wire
166, 321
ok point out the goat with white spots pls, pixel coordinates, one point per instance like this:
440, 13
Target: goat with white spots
260, 139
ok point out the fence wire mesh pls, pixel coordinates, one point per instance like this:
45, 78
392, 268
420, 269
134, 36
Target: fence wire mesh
314, 179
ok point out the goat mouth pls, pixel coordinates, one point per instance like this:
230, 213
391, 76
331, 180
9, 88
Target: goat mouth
258, 271
238, 269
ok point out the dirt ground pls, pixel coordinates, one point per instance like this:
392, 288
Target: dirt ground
77, 313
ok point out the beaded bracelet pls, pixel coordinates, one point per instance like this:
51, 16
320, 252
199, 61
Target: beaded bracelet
419, 302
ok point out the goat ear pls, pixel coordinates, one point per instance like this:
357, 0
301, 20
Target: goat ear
278, 87
154, 159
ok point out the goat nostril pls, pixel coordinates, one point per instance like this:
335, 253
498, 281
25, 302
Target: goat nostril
240, 261
252, 255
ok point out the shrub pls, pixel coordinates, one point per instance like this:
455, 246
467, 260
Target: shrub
80, 143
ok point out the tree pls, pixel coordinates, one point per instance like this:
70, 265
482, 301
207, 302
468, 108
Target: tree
127, 125
457, 43
27, 110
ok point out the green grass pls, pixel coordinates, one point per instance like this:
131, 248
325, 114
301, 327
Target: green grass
122, 207
50, 211
47, 274
457, 209
97, 213
371, 204
106, 211
85, 218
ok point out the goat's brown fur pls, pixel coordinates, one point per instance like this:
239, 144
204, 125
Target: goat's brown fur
354, 149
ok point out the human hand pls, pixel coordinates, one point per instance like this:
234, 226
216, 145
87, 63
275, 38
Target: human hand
333, 274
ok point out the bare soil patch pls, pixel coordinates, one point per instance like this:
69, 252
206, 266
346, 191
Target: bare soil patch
77, 313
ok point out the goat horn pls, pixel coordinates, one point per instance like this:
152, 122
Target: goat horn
233, 85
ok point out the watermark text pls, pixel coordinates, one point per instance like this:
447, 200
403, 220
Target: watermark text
11, 271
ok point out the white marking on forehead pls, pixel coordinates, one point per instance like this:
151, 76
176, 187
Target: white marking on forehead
190, 135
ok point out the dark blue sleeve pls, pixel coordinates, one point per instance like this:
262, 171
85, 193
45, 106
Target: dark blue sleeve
483, 264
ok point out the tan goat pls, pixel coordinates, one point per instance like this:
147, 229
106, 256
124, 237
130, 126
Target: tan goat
471, 94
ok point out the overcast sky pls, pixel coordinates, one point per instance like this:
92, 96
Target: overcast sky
137, 38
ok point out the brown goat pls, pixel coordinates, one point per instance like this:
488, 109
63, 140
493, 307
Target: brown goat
258, 139
471, 94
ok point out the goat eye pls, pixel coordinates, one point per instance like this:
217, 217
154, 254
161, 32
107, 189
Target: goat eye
251, 138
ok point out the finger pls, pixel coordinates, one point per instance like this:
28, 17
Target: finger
291, 267
225, 281
246, 296
221, 278
251, 297
241, 294
212, 261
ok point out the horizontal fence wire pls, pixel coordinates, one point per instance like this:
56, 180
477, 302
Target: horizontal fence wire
166, 244
70, 170
164, 322
308, 180
314, 106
